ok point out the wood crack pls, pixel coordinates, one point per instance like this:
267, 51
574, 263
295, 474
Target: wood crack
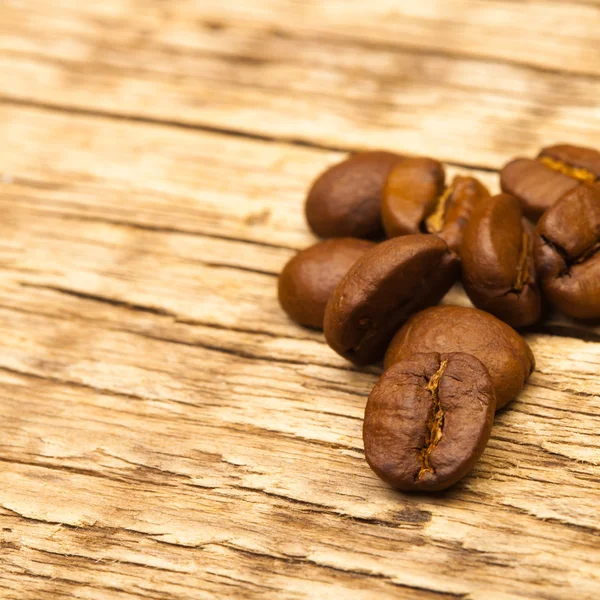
241, 353
249, 428
185, 321
142, 308
157, 536
217, 265
414, 517
564, 331
72, 383
242, 583
91, 526
104, 299
161, 229
104, 560
166, 313
555, 520
78, 584
132, 118
361, 573
64, 468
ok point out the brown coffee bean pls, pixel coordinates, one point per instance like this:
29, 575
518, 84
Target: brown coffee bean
578, 162
540, 183
428, 420
445, 329
454, 210
309, 278
498, 268
415, 199
384, 287
345, 201
410, 195
567, 253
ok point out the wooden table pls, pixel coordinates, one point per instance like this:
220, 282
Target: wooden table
165, 431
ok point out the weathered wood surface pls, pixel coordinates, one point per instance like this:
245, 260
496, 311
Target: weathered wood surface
165, 431
475, 80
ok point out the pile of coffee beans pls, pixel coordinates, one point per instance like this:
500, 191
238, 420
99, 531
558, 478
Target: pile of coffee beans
447, 368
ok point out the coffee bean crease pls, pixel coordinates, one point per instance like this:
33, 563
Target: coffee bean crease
579, 173
436, 221
435, 425
522, 268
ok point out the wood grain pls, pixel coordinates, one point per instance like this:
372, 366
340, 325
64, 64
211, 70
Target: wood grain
165, 431
506, 76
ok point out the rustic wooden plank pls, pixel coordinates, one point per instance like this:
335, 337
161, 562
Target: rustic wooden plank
144, 358
178, 204
547, 35
65, 183
165, 430
133, 560
173, 419
199, 182
414, 77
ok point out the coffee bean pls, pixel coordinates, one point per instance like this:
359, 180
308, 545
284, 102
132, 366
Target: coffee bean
454, 210
415, 199
567, 253
384, 287
428, 420
345, 201
498, 267
410, 195
578, 162
308, 280
540, 183
445, 329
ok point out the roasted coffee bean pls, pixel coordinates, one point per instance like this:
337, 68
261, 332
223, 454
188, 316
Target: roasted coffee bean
415, 199
384, 287
428, 420
567, 253
578, 162
445, 329
410, 195
454, 209
498, 267
308, 280
540, 183
345, 201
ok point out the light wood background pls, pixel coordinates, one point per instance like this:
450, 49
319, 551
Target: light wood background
165, 431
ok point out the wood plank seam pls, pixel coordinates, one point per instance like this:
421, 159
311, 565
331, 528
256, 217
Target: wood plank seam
101, 114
